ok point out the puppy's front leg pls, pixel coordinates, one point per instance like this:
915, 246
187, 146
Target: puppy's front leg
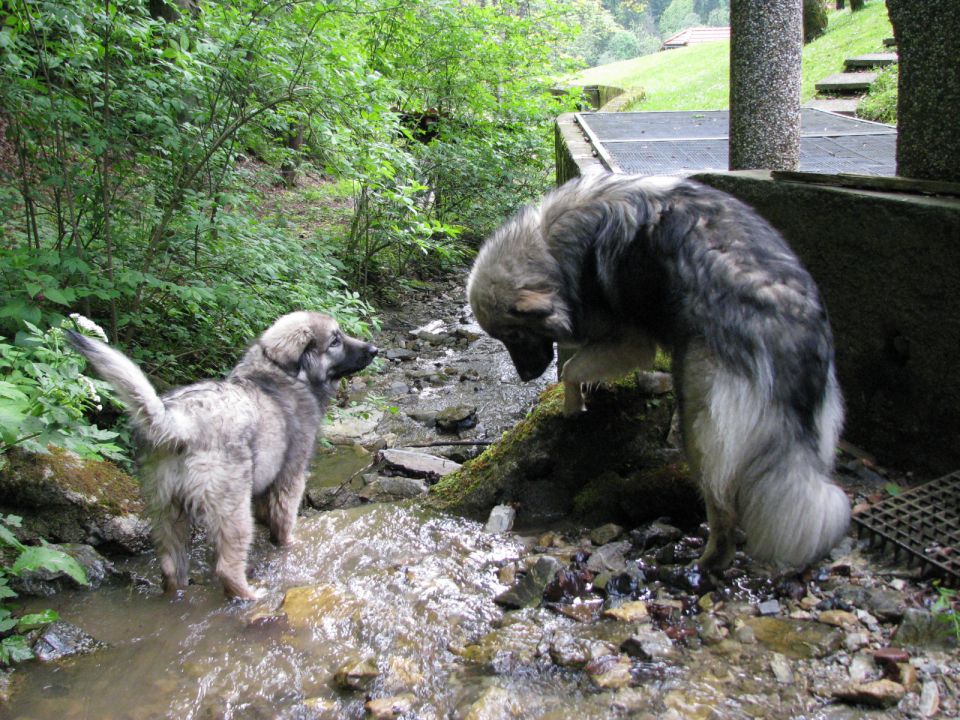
599, 362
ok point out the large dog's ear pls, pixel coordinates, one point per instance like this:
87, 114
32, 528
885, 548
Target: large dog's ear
287, 339
544, 305
533, 303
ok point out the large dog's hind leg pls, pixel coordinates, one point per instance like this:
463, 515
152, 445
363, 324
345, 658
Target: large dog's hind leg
601, 362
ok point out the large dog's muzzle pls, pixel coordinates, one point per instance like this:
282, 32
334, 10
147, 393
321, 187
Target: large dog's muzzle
531, 359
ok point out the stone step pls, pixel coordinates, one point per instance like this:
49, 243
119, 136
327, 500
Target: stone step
889, 42
846, 82
870, 60
841, 106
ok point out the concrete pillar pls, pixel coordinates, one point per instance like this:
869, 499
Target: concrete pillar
766, 41
928, 101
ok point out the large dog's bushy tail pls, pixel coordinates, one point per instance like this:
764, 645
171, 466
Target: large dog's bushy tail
794, 514
146, 409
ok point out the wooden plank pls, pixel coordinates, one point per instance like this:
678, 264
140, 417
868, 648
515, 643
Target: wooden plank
872, 182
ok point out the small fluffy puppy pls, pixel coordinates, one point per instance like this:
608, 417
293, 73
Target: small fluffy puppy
612, 266
211, 448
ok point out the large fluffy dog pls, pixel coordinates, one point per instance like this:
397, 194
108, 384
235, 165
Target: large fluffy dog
611, 266
212, 447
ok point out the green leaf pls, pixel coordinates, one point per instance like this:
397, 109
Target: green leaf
9, 539
35, 620
48, 558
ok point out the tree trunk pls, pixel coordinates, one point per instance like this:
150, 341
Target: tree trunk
928, 101
766, 41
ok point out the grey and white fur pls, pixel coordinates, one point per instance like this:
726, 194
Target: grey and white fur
211, 448
612, 266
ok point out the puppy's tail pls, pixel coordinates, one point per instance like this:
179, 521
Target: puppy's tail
794, 513
146, 409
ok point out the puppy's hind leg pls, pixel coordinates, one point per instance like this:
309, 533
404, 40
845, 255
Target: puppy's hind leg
231, 531
171, 534
284, 503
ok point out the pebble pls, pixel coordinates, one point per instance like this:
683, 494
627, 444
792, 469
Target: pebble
501, 519
929, 699
781, 669
769, 607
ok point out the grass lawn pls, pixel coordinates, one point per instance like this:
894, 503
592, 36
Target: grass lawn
696, 78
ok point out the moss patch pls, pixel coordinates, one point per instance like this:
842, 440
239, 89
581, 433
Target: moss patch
611, 463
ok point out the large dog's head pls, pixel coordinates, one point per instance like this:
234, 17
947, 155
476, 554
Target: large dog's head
514, 293
312, 347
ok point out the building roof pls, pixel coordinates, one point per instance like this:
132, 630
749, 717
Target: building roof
695, 36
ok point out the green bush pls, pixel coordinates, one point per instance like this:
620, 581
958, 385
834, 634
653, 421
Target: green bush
880, 102
20, 558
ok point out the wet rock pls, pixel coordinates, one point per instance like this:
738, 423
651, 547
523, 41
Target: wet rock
862, 668
609, 558
528, 592
796, 638
634, 611
402, 674
456, 418
711, 632
382, 488
501, 519
67, 499
655, 534
921, 629
780, 667
769, 607
416, 464
307, 605
434, 332
929, 704
885, 604
507, 648
567, 651
610, 672
61, 639
356, 674
354, 426
492, 704
605, 533
583, 611
399, 354
423, 415
390, 707
568, 585
880, 693
332, 498
649, 645
839, 618
43, 582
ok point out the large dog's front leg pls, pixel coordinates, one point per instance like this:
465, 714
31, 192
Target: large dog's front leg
603, 362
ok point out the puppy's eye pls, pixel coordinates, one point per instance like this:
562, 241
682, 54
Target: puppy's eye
336, 341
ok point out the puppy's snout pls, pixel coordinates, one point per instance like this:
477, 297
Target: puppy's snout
372, 351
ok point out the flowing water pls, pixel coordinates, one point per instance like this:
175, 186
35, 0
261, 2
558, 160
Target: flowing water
386, 583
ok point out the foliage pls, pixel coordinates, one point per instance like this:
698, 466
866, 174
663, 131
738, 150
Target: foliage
122, 195
43, 398
13, 643
814, 19
880, 102
946, 611
697, 78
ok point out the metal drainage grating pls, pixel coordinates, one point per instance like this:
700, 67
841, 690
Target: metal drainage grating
923, 522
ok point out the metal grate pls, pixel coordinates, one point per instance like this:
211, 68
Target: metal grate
679, 143
923, 522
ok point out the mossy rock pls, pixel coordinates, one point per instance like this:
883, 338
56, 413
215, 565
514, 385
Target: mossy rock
65, 498
612, 463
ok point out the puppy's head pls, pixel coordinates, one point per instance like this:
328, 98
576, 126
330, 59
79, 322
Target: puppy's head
312, 346
513, 292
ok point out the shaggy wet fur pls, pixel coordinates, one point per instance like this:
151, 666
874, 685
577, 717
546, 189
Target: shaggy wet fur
614, 265
210, 448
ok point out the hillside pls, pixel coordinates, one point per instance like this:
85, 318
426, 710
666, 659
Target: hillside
696, 78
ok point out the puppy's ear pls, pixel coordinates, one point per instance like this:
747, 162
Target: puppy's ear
288, 338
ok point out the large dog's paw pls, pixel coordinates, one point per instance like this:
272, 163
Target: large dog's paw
574, 402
